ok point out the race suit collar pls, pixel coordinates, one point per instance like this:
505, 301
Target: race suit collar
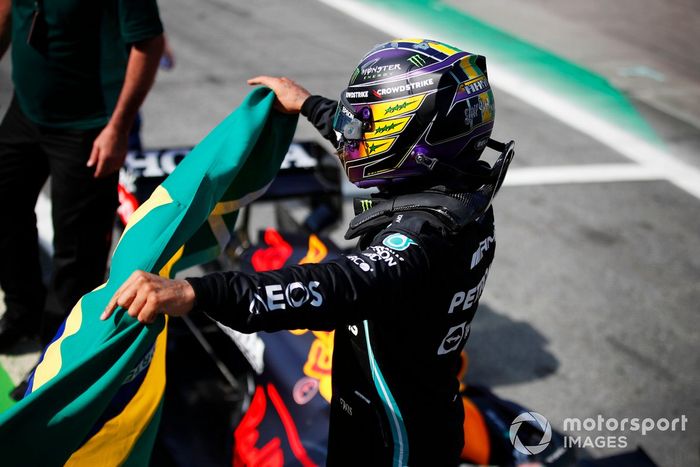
452, 210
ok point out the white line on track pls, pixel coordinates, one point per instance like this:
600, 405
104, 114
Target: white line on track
593, 173
559, 175
517, 176
650, 157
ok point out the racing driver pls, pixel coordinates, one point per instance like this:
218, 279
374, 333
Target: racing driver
413, 122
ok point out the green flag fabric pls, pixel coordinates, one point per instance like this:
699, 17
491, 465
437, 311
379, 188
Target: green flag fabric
6, 385
96, 396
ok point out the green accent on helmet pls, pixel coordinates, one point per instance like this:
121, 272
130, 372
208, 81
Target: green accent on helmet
397, 107
417, 60
373, 147
386, 128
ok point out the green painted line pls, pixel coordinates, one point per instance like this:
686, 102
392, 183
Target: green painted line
557, 75
6, 385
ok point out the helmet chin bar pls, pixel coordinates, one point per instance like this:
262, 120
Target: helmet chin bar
493, 175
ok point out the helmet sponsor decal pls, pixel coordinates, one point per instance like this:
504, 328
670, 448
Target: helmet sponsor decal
405, 105
376, 146
486, 106
416, 60
398, 242
370, 70
380, 71
388, 127
422, 45
475, 87
401, 88
356, 94
396, 107
471, 87
478, 111
346, 112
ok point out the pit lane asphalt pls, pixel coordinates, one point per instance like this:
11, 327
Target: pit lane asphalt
592, 304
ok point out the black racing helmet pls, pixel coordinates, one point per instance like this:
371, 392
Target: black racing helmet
412, 104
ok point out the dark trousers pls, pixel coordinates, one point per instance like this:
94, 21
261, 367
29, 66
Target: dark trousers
82, 213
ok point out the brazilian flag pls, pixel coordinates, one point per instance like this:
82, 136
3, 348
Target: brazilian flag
96, 396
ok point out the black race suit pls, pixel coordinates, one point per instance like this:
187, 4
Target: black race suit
401, 306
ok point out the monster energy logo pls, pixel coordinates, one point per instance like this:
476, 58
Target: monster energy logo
374, 147
416, 60
386, 128
365, 204
397, 107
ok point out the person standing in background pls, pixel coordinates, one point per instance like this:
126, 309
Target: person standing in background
81, 69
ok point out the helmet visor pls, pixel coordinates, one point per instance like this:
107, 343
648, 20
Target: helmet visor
346, 123
350, 123
351, 126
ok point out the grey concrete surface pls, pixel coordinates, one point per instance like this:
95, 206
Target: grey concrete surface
592, 306
647, 48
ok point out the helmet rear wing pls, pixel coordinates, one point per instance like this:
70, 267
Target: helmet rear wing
482, 173
500, 167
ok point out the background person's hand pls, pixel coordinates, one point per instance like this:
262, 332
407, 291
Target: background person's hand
108, 151
290, 96
145, 295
